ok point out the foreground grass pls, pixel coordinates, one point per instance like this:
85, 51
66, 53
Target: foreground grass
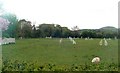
34, 54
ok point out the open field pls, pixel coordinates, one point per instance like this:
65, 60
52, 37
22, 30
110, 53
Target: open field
49, 54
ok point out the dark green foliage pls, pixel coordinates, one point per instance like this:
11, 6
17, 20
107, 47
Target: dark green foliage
24, 29
54, 30
26, 66
10, 32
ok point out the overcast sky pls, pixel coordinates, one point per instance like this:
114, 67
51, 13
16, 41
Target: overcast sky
86, 14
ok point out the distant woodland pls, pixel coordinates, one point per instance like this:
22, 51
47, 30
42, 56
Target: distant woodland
25, 29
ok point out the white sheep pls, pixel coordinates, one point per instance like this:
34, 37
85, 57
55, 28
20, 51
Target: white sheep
96, 60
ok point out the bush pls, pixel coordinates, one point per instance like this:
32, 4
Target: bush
16, 65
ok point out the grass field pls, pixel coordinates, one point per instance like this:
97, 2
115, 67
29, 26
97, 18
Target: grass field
48, 54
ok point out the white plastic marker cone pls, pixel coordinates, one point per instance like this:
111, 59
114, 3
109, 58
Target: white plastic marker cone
96, 60
109, 39
74, 42
105, 43
115, 38
60, 41
86, 38
70, 38
100, 43
91, 38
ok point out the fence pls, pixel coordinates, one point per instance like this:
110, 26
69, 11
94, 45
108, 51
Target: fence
7, 41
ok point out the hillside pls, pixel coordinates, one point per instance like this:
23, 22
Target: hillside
108, 28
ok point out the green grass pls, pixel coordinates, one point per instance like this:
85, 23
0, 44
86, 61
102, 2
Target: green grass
49, 51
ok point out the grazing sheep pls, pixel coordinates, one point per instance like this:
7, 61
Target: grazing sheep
96, 60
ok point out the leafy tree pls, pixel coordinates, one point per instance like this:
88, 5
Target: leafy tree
4, 23
44, 30
75, 32
65, 32
24, 29
58, 31
10, 32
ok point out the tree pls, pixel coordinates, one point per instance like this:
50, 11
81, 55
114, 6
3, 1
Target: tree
24, 29
44, 30
75, 28
4, 23
75, 32
10, 32
65, 32
34, 31
57, 31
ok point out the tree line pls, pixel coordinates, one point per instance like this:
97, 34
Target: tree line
25, 29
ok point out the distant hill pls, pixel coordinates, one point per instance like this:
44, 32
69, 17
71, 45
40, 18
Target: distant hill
108, 28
